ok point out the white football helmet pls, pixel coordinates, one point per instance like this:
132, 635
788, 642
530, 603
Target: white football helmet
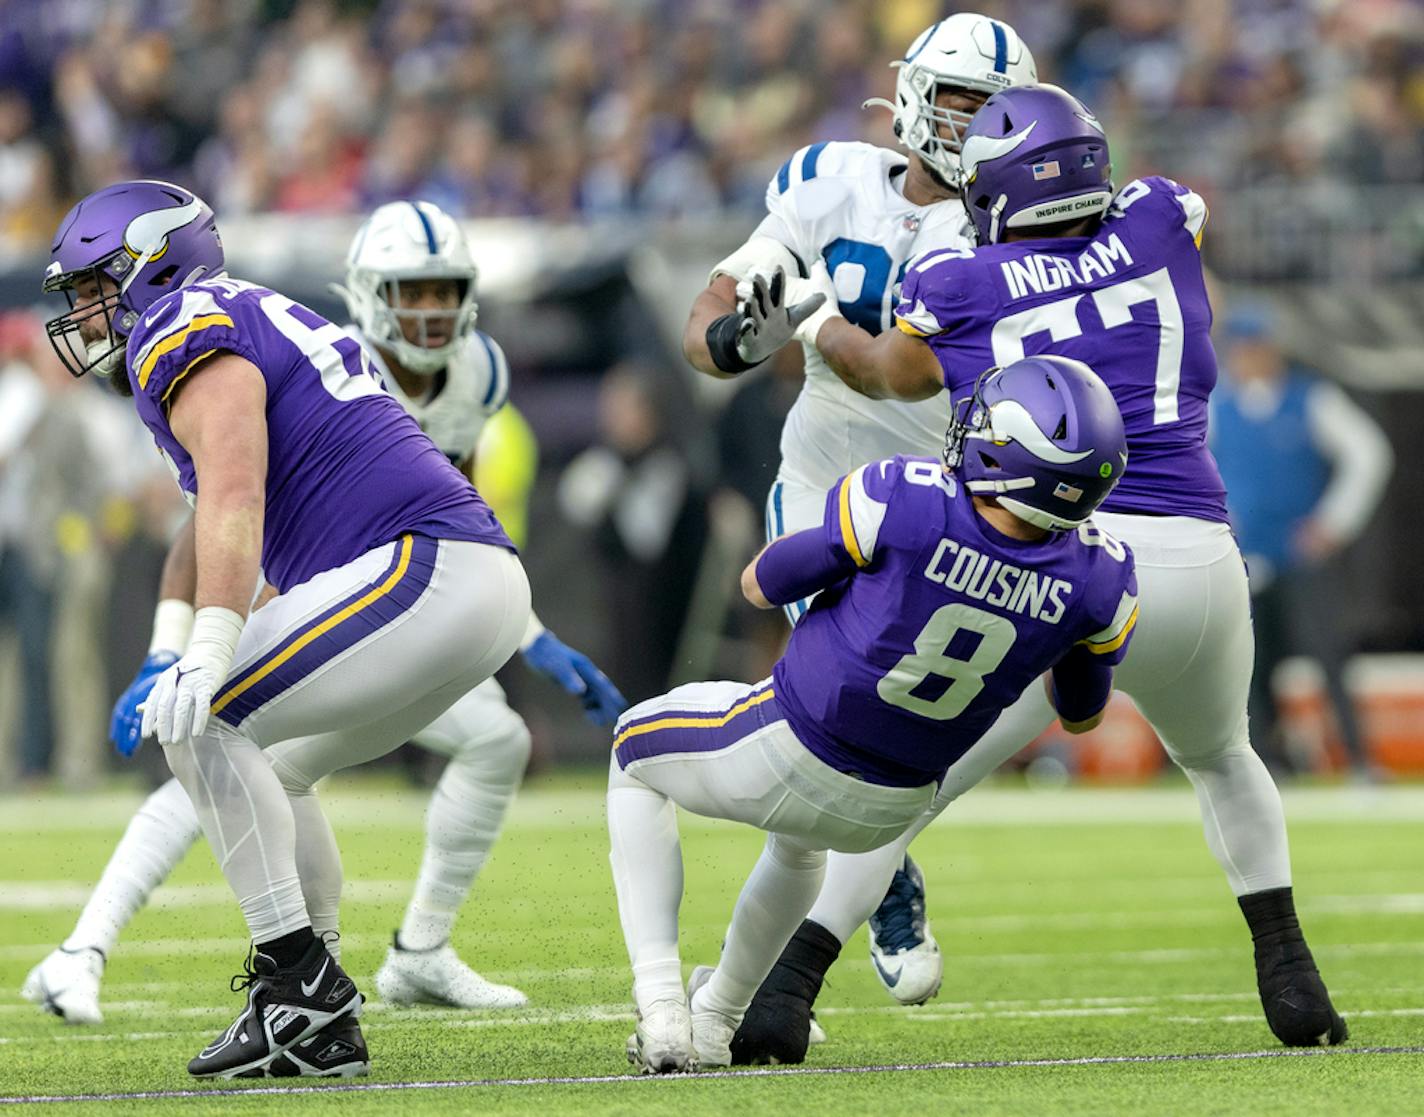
403, 241
965, 51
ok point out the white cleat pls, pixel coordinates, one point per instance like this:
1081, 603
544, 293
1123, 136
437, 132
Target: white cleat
904, 953
438, 977
817, 1033
662, 1043
67, 984
712, 1032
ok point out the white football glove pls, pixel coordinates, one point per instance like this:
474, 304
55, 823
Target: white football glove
767, 322
176, 711
820, 283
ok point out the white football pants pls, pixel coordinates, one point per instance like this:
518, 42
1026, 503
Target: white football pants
1188, 671
334, 672
723, 750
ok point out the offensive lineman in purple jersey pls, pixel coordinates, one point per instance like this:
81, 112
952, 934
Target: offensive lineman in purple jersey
945, 588
398, 590
1067, 266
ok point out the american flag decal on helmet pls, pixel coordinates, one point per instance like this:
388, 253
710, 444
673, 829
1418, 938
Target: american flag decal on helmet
1042, 171
1068, 492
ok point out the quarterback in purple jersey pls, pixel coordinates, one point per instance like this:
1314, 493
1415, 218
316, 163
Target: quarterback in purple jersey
398, 591
1066, 264
945, 588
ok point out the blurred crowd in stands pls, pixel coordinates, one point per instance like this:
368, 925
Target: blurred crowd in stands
599, 109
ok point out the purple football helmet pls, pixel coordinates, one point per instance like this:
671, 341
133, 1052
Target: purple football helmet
146, 238
1033, 155
1043, 436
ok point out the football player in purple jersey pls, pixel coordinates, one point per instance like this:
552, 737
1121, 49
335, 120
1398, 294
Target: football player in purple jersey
397, 591
1067, 264
944, 589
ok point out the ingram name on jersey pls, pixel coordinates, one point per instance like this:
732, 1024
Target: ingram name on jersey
895, 672
843, 202
1129, 301
347, 469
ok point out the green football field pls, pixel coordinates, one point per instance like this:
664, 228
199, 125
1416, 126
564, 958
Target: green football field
1096, 964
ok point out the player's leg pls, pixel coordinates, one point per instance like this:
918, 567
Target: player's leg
720, 750
488, 746
161, 831
1189, 675
777, 1025
350, 664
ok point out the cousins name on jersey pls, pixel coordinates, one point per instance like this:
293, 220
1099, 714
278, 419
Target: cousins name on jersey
1041, 273
961, 568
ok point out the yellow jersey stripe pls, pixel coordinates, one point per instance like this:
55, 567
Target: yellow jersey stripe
1117, 641
406, 544
170, 343
713, 721
852, 545
168, 391
905, 327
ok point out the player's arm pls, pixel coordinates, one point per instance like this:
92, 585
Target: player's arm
1079, 687
892, 365
717, 300
806, 562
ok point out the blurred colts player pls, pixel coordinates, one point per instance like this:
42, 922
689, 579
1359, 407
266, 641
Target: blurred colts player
410, 286
940, 597
396, 590
866, 211
1066, 265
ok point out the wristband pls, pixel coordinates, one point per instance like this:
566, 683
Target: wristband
172, 626
214, 643
722, 344
532, 631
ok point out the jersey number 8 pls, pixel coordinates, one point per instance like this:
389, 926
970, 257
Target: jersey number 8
930, 659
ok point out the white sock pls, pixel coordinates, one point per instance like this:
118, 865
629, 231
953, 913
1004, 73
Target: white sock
775, 899
465, 816
1243, 819
161, 831
646, 856
855, 885
248, 822
319, 866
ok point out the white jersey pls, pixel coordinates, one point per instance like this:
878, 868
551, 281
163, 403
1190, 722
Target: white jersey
843, 202
462, 395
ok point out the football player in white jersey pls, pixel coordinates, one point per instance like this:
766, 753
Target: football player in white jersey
410, 287
867, 211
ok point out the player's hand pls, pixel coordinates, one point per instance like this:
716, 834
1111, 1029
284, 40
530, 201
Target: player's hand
577, 674
177, 708
126, 722
819, 284
767, 320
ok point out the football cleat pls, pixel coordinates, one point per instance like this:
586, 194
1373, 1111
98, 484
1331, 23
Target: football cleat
67, 984
438, 977
337, 1051
904, 953
662, 1043
712, 1032
1293, 995
780, 1024
283, 1008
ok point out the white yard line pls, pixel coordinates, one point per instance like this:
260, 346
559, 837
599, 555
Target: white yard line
628, 1079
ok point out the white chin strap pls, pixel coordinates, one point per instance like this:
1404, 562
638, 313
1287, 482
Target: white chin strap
103, 357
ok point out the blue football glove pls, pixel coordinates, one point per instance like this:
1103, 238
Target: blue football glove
578, 675
126, 722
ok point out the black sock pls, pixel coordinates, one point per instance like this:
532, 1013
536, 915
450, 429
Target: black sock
803, 964
1271, 916
290, 949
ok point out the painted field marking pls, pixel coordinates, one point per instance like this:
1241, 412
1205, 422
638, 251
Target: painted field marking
753, 1072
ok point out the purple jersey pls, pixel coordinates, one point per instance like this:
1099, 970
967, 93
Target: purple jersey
1129, 301
347, 469
898, 669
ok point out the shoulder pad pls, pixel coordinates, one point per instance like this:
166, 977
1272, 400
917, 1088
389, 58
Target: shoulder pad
177, 332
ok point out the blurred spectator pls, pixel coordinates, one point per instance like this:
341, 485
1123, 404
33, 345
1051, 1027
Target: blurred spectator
635, 490
1304, 468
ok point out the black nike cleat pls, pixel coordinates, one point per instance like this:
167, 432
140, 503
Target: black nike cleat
1293, 994
284, 1007
337, 1051
777, 1026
